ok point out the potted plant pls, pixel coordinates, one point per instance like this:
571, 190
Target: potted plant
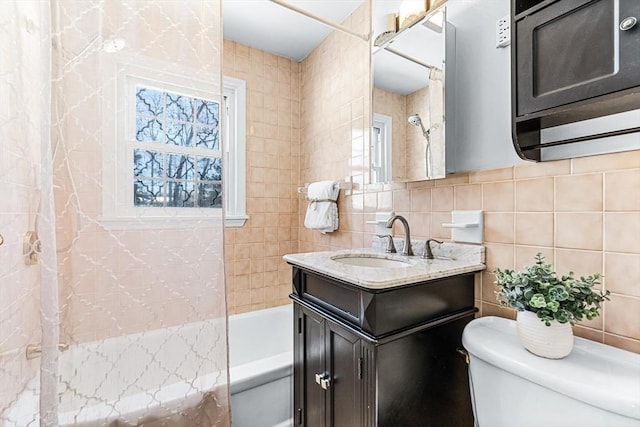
548, 305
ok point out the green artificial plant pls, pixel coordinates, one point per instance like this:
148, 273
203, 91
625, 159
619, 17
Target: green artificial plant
538, 289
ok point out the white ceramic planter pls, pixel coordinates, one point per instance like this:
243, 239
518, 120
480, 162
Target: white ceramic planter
552, 342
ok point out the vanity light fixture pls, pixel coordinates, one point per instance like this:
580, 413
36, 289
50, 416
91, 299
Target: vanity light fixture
390, 29
411, 11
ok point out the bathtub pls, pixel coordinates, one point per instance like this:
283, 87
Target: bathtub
261, 359
161, 373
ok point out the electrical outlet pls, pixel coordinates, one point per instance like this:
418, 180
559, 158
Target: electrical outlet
503, 32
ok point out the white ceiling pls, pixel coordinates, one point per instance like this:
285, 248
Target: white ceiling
270, 27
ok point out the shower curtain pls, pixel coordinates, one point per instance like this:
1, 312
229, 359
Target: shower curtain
109, 147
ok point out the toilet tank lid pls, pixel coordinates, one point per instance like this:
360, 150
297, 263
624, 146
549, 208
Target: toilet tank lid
597, 374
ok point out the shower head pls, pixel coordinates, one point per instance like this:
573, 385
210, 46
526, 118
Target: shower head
415, 120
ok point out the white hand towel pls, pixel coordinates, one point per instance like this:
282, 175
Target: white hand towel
322, 212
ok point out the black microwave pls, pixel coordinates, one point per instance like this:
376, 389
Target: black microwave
573, 50
573, 60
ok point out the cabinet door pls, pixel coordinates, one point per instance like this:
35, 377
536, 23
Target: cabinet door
344, 366
309, 361
327, 373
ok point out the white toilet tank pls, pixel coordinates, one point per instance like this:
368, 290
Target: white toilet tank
596, 385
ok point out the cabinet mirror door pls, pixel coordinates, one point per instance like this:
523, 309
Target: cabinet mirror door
408, 132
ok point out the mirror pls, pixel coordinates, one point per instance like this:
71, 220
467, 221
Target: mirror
408, 132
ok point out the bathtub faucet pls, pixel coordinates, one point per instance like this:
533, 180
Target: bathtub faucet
32, 351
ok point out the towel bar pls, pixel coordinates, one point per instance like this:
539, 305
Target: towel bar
342, 185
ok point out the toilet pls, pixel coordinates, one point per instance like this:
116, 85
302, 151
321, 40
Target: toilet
596, 385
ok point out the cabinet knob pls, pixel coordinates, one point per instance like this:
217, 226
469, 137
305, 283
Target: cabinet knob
628, 23
325, 383
323, 380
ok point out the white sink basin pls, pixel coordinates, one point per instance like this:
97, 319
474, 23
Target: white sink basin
372, 261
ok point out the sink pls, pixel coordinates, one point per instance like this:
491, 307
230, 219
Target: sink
372, 261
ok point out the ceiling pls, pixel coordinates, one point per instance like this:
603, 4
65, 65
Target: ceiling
268, 26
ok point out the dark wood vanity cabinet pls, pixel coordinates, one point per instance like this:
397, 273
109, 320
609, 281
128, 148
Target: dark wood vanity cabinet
410, 374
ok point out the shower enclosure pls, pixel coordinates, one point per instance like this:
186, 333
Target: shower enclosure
112, 297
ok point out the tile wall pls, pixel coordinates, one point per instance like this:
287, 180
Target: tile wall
131, 277
257, 277
582, 214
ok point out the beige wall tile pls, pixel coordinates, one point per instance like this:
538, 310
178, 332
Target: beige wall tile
535, 195
623, 316
579, 231
622, 232
535, 229
421, 200
535, 170
499, 255
437, 231
498, 197
442, 199
525, 255
607, 162
504, 174
489, 288
489, 309
622, 190
582, 263
588, 333
499, 227
622, 273
577, 193
622, 342
467, 197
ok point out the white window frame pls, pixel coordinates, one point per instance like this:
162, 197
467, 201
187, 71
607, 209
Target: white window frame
118, 119
234, 180
380, 150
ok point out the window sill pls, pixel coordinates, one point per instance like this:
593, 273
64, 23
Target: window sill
235, 221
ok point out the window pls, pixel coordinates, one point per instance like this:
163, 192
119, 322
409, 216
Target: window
177, 161
380, 150
171, 158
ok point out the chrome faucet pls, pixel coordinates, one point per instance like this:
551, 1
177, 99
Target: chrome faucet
391, 249
407, 251
428, 254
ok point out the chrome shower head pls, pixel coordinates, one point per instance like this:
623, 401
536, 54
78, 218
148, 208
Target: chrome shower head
415, 120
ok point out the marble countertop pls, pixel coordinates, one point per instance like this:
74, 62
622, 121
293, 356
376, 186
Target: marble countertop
459, 259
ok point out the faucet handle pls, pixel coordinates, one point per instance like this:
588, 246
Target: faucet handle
391, 249
428, 254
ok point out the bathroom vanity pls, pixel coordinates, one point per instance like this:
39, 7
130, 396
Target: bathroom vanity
376, 339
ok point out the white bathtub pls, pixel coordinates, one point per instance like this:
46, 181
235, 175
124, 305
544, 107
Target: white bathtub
163, 372
261, 359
